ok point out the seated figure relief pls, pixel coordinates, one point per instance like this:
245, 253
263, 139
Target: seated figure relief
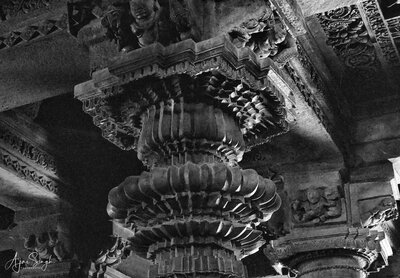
316, 205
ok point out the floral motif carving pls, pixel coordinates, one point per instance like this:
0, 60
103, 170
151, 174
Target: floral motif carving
349, 37
308, 96
21, 157
27, 150
382, 33
317, 205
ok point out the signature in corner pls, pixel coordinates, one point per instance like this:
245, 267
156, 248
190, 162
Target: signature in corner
33, 262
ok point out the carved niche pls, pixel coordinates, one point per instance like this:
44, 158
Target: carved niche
316, 205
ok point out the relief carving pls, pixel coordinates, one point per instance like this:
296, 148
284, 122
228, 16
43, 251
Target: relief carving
385, 210
316, 205
49, 246
27, 150
348, 36
265, 35
382, 33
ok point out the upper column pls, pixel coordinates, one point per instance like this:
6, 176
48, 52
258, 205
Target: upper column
190, 87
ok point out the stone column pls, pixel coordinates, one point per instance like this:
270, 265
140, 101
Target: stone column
334, 264
190, 108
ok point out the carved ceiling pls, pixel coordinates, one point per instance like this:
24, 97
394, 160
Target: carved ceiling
360, 44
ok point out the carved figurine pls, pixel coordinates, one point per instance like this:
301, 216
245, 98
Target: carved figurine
117, 21
266, 35
334, 204
385, 211
47, 247
146, 14
318, 206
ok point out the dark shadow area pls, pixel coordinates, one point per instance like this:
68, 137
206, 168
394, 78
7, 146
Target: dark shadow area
91, 165
5, 258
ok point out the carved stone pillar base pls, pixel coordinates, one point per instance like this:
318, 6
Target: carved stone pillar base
343, 264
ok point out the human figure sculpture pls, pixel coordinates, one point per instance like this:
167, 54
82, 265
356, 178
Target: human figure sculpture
264, 35
382, 212
334, 205
145, 14
317, 206
47, 247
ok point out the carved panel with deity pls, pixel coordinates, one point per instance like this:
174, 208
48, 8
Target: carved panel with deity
318, 205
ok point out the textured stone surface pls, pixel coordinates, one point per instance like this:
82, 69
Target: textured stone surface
44, 68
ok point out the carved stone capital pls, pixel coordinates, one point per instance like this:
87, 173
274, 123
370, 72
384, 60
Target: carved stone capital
214, 65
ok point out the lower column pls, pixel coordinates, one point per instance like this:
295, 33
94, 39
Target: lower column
330, 264
331, 229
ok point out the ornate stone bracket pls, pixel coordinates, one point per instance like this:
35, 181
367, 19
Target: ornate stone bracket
164, 62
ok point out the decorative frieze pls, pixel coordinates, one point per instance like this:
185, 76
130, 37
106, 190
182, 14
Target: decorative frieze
29, 162
384, 33
27, 150
27, 172
349, 38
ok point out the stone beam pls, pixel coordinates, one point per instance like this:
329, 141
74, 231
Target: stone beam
41, 69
